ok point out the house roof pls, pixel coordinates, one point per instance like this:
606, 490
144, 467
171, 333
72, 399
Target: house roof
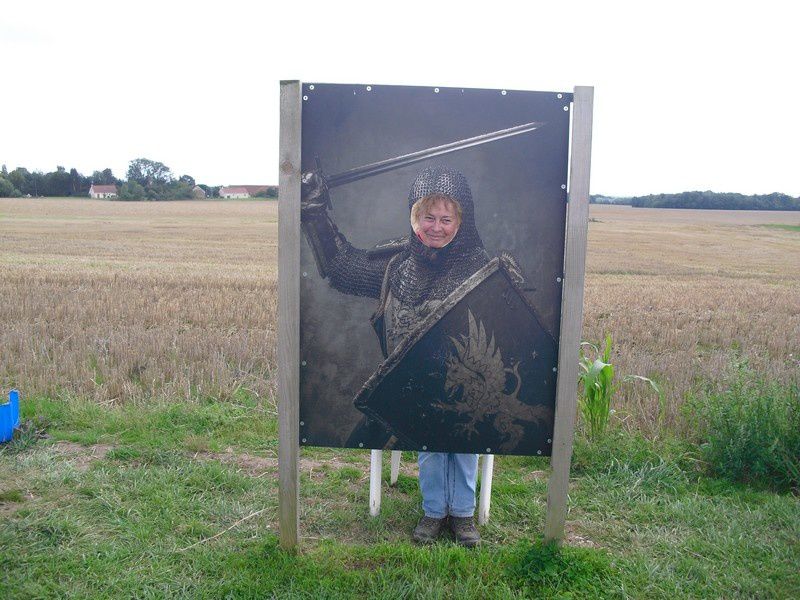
254, 189
242, 189
104, 189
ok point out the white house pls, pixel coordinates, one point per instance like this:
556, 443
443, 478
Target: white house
233, 191
241, 191
102, 191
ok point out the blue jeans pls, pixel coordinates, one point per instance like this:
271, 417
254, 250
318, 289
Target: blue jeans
447, 482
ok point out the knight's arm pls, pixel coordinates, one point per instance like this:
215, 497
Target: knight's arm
348, 269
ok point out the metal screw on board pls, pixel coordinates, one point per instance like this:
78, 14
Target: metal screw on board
303, 363
311, 87
424, 447
360, 445
555, 369
302, 423
558, 279
488, 450
304, 440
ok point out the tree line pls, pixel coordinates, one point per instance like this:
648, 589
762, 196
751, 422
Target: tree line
706, 200
145, 180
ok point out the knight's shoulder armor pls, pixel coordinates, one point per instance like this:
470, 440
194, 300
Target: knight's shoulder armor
388, 247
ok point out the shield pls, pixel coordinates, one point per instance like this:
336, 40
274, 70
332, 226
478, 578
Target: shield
478, 375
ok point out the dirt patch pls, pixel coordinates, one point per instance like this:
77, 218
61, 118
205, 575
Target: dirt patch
250, 464
573, 536
81, 456
258, 466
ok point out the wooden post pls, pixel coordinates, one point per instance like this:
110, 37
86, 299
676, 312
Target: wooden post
487, 471
375, 472
395, 473
571, 312
289, 314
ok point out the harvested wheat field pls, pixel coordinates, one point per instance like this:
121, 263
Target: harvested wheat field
126, 302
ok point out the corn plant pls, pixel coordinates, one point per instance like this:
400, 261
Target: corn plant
596, 387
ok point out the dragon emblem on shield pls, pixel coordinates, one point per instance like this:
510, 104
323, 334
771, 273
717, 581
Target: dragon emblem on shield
477, 381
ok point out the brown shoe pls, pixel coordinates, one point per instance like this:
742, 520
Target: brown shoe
465, 531
427, 530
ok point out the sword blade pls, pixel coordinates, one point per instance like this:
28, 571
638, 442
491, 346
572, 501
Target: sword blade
397, 162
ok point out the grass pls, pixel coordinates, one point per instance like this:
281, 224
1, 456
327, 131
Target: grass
119, 502
749, 428
783, 226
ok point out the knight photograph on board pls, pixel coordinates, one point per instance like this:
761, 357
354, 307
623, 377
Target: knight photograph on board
431, 267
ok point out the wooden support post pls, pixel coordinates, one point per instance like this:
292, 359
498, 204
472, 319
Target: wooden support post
395, 473
571, 312
487, 471
375, 471
289, 315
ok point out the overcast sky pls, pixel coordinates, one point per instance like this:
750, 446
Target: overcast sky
688, 95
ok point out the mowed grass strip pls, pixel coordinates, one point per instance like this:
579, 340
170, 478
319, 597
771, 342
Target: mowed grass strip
181, 501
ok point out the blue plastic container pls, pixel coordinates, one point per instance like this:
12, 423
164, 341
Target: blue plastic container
9, 417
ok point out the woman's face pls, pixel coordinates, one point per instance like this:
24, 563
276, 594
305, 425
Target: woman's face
438, 225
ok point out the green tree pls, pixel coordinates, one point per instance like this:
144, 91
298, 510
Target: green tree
7, 189
79, 185
21, 179
131, 190
148, 172
57, 183
104, 177
270, 192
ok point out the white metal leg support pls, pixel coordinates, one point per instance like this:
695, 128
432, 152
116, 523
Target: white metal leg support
487, 471
375, 467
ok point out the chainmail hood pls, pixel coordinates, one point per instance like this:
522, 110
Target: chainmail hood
432, 273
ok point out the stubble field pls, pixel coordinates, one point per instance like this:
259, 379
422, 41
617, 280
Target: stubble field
132, 302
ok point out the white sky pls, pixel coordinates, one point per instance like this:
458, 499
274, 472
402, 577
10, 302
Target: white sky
688, 95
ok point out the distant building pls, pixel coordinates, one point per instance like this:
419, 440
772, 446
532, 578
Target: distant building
198, 193
102, 191
241, 191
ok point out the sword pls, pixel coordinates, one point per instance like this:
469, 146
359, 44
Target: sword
390, 164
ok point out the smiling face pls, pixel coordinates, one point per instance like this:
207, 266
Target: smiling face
435, 220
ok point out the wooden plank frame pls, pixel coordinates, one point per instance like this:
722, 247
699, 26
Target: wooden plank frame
289, 314
571, 312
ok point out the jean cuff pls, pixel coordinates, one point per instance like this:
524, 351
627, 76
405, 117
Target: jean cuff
462, 515
430, 516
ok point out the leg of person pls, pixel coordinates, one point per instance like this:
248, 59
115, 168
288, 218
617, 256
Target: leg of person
433, 485
463, 475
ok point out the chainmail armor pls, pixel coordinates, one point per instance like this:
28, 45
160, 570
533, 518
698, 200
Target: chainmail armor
353, 271
432, 273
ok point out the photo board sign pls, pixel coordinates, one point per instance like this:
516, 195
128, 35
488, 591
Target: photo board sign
441, 334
